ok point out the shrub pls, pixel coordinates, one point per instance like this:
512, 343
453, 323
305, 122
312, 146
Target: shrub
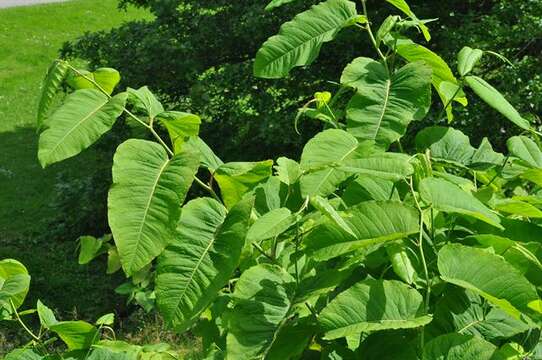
355, 251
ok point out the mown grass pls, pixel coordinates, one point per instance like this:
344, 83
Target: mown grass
30, 38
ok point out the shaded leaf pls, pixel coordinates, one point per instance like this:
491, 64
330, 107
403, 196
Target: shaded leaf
51, 84
458, 347
77, 335
261, 303
405, 8
326, 209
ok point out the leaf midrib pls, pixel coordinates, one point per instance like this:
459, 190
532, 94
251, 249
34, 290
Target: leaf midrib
310, 39
91, 114
145, 214
384, 107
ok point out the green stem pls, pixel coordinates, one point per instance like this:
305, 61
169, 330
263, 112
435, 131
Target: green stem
424, 263
448, 103
147, 126
262, 251
208, 188
371, 35
22, 322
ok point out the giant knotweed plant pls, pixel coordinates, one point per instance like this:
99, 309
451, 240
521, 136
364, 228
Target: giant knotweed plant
352, 252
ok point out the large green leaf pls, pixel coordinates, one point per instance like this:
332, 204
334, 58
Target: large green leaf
14, 284
320, 159
372, 222
78, 123
456, 346
145, 199
445, 196
299, 41
488, 275
373, 305
525, 149
495, 99
201, 259
77, 335
451, 145
51, 84
385, 105
261, 303
443, 78
238, 178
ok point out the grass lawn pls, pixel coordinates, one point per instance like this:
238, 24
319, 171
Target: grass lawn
29, 40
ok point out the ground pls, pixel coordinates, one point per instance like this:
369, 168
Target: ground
30, 38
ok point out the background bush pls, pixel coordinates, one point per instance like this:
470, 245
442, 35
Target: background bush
203, 63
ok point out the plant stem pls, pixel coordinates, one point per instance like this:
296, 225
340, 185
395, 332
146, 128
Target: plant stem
424, 263
22, 322
147, 126
448, 103
262, 251
371, 35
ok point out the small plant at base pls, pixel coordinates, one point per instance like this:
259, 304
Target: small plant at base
350, 250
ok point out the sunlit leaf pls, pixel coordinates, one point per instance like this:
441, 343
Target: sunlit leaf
299, 41
384, 106
145, 199
373, 305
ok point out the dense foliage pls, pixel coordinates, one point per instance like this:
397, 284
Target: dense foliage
359, 250
213, 74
